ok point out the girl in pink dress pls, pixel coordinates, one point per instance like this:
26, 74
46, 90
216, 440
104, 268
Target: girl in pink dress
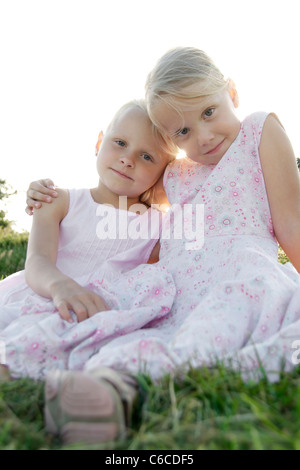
234, 300
54, 315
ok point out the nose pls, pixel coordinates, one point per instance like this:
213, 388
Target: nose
127, 160
204, 136
199, 142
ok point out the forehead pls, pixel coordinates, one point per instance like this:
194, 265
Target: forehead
166, 116
134, 125
172, 115
130, 118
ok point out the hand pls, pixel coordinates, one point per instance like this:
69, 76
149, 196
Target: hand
41, 190
83, 302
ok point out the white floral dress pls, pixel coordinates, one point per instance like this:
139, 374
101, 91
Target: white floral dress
105, 250
234, 300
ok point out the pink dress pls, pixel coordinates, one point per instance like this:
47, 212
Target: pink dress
234, 300
99, 247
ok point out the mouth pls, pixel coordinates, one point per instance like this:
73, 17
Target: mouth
122, 175
215, 149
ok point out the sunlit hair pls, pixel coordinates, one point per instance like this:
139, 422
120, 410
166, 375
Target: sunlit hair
167, 148
181, 76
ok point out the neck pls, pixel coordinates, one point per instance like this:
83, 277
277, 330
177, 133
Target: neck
103, 195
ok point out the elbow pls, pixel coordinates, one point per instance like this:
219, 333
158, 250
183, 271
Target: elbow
34, 265
28, 271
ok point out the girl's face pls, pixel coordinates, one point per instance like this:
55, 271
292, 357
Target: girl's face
129, 160
204, 130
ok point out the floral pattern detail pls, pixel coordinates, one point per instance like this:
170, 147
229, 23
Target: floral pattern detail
234, 301
227, 299
35, 336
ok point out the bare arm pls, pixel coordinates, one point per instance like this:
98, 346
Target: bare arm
283, 187
41, 272
40, 269
39, 191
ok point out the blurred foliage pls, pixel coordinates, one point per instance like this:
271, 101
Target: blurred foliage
13, 248
5, 192
13, 245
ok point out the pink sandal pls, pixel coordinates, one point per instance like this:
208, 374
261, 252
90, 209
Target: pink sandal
90, 407
4, 373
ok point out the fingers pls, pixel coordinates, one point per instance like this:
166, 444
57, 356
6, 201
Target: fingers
41, 193
100, 304
43, 186
48, 182
83, 308
64, 312
77, 307
29, 210
38, 192
32, 204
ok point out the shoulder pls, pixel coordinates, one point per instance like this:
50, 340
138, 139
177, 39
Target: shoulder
272, 122
263, 125
277, 157
256, 118
273, 135
280, 173
254, 123
57, 209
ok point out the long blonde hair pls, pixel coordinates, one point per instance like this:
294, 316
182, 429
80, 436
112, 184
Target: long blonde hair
181, 75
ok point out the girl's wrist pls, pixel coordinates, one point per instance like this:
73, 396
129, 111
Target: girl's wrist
60, 282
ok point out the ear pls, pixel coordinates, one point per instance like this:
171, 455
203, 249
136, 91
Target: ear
99, 141
233, 93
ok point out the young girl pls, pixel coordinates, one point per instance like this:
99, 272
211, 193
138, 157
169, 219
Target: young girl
233, 301
244, 305
54, 314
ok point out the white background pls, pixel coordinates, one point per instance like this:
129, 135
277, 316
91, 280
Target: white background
68, 65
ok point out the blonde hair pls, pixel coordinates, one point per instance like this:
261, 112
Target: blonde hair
165, 144
183, 74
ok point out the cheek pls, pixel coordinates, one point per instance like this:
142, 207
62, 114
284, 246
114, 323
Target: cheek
99, 164
150, 177
186, 147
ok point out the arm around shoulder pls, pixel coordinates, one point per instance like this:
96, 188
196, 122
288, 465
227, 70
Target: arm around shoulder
283, 186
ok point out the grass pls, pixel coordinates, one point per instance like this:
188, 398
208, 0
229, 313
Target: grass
206, 409
12, 252
209, 409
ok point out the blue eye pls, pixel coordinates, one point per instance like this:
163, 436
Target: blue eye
209, 112
183, 131
121, 143
147, 157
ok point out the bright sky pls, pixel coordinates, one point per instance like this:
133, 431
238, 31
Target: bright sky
68, 65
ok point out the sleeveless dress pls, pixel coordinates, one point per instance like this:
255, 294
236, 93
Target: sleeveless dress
99, 247
234, 300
